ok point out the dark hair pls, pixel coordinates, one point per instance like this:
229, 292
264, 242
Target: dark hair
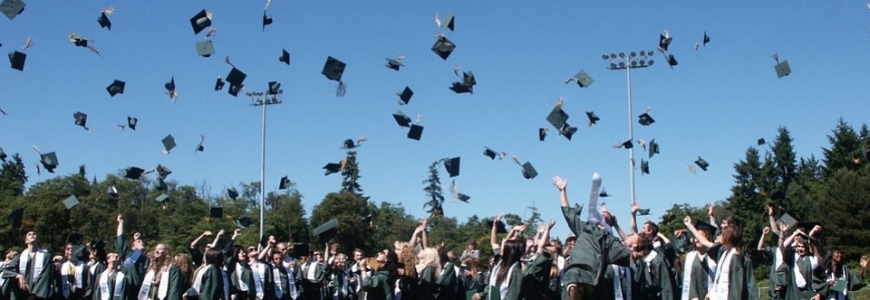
214, 257
644, 242
472, 242
442, 255
732, 236
512, 252
392, 265
734, 220
655, 228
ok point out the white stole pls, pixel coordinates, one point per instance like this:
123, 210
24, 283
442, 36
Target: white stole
312, 271
3, 280
722, 281
197, 281
687, 274
242, 285
798, 276
259, 271
503, 288
279, 290
37, 266
104, 286
64, 273
162, 289
838, 295
617, 282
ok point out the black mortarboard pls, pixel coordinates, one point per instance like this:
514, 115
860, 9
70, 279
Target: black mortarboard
782, 69
264, 240
232, 193
12, 8
244, 221
644, 167
49, 161
326, 231
583, 79
452, 166
490, 153
542, 133
788, 220
643, 212
807, 226
285, 57
704, 226
568, 131
529, 171
96, 244
219, 84
236, 77
117, 87
672, 61
448, 22
112, 191
81, 119
627, 145
702, 163
349, 144
332, 168
394, 64
664, 42
500, 226
15, 217
71, 202
761, 141
462, 197
162, 198
333, 69
16, 59
205, 48
168, 143
75, 238
274, 88
301, 249
134, 173
706, 38
267, 20
443, 47
284, 184
603, 194
593, 119
557, 117
406, 95
131, 122
235, 89
645, 119
216, 212
416, 132
402, 119
104, 21
199, 147
200, 21
460, 88
653, 148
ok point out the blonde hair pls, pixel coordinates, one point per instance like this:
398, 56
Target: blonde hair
430, 259
167, 259
407, 257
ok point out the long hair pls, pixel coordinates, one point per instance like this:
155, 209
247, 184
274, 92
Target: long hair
473, 265
511, 254
732, 237
406, 257
429, 259
166, 260
443, 258
185, 267
214, 257
392, 265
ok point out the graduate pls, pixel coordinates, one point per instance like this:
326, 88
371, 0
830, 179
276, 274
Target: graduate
163, 280
210, 281
734, 278
73, 272
778, 280
261, 270
698, 269
132, 272
96, 266
110, 283
6, 284
186, 269
447, 283
339, 287
283, 278
355, 271
652, 275
406, 282
802, 263
33, 271
840, 279
428, 267
382, 285
313, 276
473, 277
242, 276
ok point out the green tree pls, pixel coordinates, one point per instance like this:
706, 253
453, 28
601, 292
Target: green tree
391, 223
349, 209
847, 212
12, 177
286, 221
845, 148
433, 191
350, 174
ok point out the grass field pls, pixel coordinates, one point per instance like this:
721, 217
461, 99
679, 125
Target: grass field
862, 294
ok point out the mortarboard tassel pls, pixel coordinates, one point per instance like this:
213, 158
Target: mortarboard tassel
341, 89
38, 170
27, 44
456, 69
109, 11
211, 32
268, 3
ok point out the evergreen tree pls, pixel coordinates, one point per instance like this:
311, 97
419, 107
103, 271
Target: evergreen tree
350, 174
433, 191
12, 177
845, 149
349, 209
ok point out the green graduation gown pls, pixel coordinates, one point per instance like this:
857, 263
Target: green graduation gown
94, 272
213, 284
111, 285
133, 271
426, 285
741, 275
594, 251
654, 278
380, 286
447, 283
41, 284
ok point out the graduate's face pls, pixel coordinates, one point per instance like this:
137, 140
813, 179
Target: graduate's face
67, 251
800, 248
11, 254
277, 258
30, 237
837, 256
357, 256
112, 257
159, 251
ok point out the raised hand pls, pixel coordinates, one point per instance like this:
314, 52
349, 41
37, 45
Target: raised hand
766, 230
634, 207
120, 218
221, 232
207, 233
864, 261
783, 227
770, 210
687, 220
560, 183
709, 209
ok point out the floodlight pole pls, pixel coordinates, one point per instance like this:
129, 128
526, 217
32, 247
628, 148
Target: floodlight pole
263, 99
629, 62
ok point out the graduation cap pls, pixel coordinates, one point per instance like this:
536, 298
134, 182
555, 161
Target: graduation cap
416, 132
490, 153
134, 173
81, 119
460, 88
301, 249
163, 172
448, 22
443, 47
672, 61
761, 141
706, 39
466, 85
593, 119
12, 8
582, 79
500, 226
162, 198
645, 119
542, 134
529, 171
168, 144
788, 220
452, 166
333, 69
15, 218
131, 122
49, 161
71, 202
406, 95
326, 231
557, 117
568, 131
644, 167
274, 88
267, 20
702, 163
200, 147
285, 57
219, 84
402, 119
204, 48
216, 212
603, 194
96, 244
332, 168
232, 193
394, 63
104, 19
627, 145
643, 212
236, 77
284, 184
117, 87
665, 40
704, 226
17, 59
200, 21
160, 185
112, 191
349, 144
782, 69
653, 148
244, 221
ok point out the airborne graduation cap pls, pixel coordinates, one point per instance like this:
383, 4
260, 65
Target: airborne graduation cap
593, 119
267, 20
71, 202
200, 147
12, 8
627, 145
168, 144
582, 79
665, 40
131, 122
643, 212
244, 221
200, 21
17, 59
285, 57
104, 18
205, 48
232, 193
15, 217
452, 166
134, 173
112, 191
542, 134
219, 84
449, 22
558, 117
653, 148
644, 167
402, 119
672, 61
394, 63
645, 119
162, 198
467, 84
332, 168
456, 194
117, 87
81, 120
528, 170
489, 153
405, 95
702, 163
416, 131
49, 161
326, 231
163, 172
284, 184
236, 78
782, 68
333, 69
443, 47
2, 154
500, 227
216, 212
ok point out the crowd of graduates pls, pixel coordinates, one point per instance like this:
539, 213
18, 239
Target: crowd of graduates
600, 260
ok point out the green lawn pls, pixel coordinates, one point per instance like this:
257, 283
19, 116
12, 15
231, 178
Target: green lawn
862, 294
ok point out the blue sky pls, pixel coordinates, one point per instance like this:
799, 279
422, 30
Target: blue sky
714, 104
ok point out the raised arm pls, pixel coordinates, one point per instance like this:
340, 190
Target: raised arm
196, 241
783, 228
711, 217
425, 235
493, 236
622, 235
545, 237
120, 230
665, 239
562, 185
790, 239
634, 207
764, 234
817, 244
326, 253
772, 219
216, 239
700, 237
267, 252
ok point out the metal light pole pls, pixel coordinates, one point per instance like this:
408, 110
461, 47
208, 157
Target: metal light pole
627, 62
263, 99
